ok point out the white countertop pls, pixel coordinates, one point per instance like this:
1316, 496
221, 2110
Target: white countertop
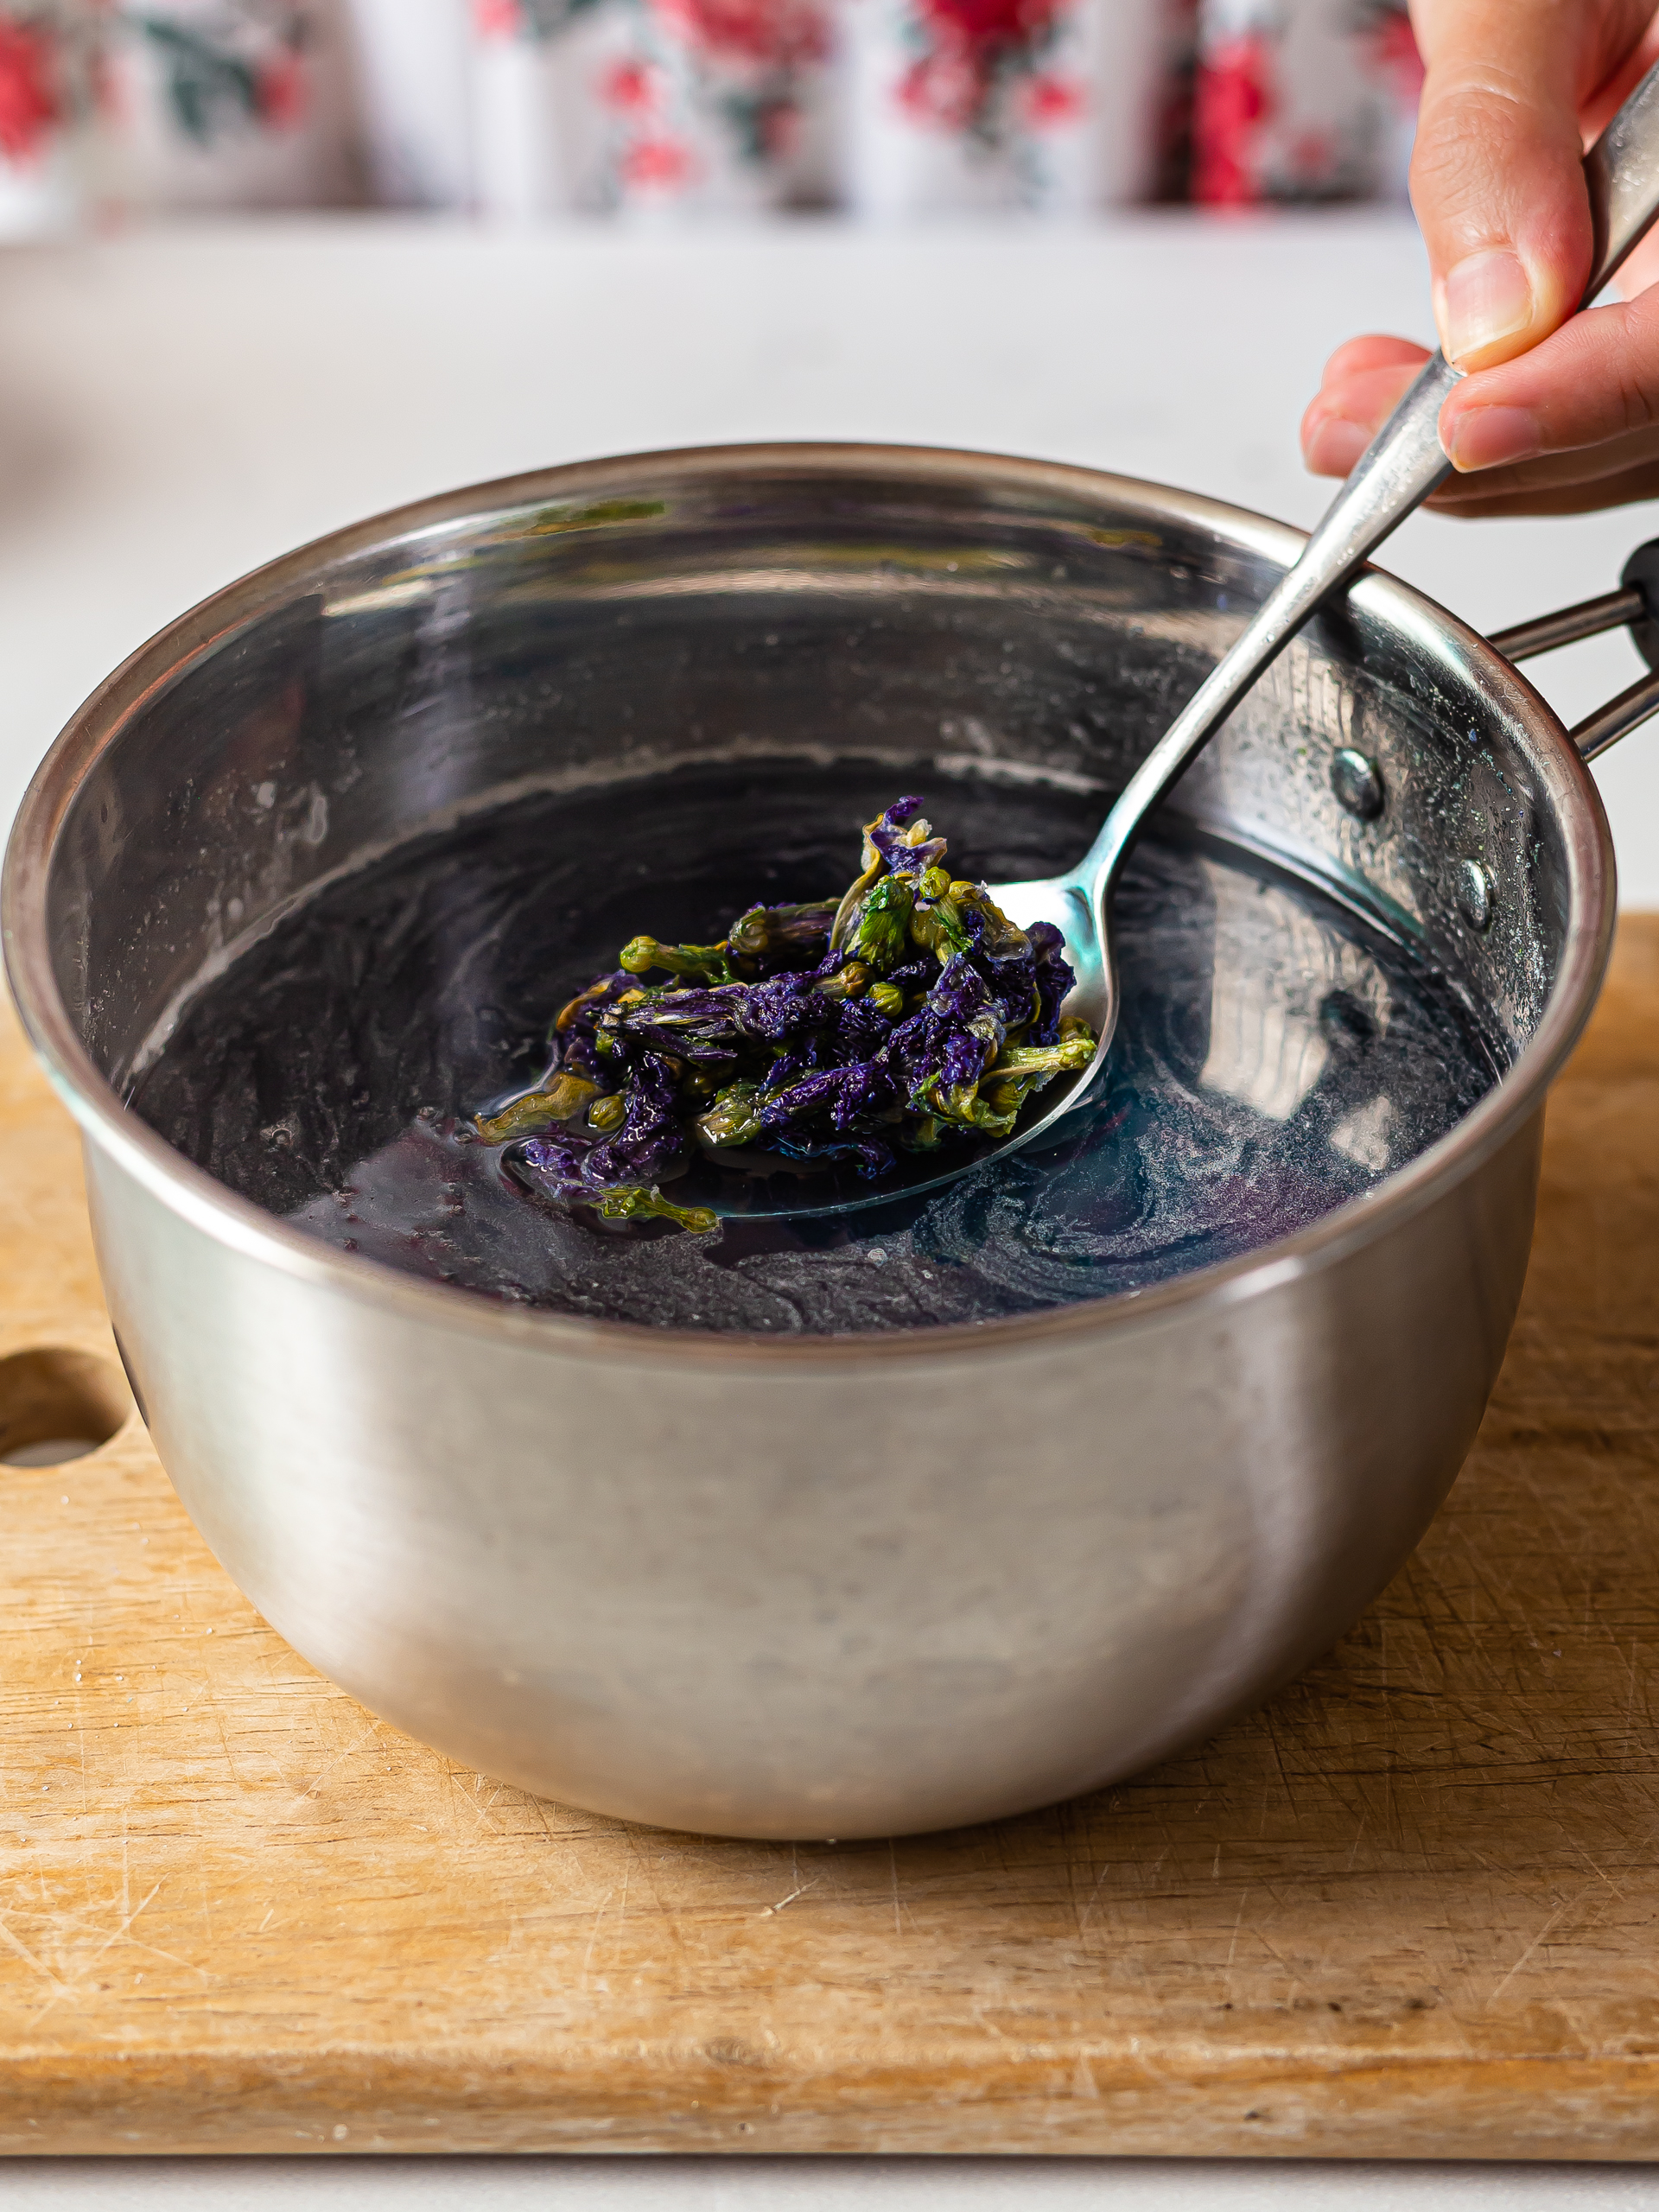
176, 407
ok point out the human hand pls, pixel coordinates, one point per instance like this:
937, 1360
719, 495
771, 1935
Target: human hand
1548, 420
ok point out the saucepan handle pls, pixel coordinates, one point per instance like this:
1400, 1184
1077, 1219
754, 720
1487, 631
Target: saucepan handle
1635, 602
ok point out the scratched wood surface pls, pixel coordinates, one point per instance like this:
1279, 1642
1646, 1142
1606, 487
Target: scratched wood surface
1412, 1907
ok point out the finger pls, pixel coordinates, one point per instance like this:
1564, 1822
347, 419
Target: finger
1375, 351
1557, 483
1364, 383
1595, 379
1551, 471
1567, 499
1497, 176
1337, 429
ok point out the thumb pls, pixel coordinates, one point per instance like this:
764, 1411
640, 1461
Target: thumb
1497, 177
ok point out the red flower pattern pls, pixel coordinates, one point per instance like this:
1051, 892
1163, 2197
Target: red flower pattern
629, 87
972, 46
781, 35
282, 91
1050, 99
1395, 56
748, 60
1231, 106
994, 23
1314, 155
497, 19
944, 88
659, 165
29, 103
975, 66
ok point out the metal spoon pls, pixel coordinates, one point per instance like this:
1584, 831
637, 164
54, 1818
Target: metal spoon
1403, 465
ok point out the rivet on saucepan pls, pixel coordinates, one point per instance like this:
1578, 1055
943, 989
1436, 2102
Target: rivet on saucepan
1357, 782
1476, 895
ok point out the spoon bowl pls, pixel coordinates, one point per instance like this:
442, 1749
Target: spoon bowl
801, 1191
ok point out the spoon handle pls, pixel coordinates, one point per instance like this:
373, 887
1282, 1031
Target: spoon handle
1622, 172
1396, 473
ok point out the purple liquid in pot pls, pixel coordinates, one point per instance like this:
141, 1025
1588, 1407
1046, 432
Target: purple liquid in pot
1273, 1060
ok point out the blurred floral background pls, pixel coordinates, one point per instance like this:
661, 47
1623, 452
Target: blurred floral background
516, 110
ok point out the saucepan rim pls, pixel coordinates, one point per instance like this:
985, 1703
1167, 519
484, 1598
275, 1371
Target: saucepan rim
1566, 786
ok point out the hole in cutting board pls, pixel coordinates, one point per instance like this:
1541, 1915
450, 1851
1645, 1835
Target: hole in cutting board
57, 1405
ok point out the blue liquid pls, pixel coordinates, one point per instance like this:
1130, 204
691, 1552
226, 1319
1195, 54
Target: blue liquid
1273, 1059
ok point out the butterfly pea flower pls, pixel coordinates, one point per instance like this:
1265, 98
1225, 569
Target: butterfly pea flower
855, 1031
949, 1090
903, 839
845, 982
873, 923
898, 841
781, 936
937, 922
602, 992
995, 935
632, 1202
651, 1139
776, 1011
702, 963
912, 1012
991, 1104
700, 1025
879, 935
1052, 978
734, 1120
560, 1097
1022, 1068
847, 1096
557, 1169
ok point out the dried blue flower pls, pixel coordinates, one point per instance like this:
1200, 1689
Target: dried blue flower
772, 938
557, 1170
701, 963
903, 839
1053, 979
911, 1013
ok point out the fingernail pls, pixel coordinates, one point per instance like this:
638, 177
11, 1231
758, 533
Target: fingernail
1485, 299
1491, 437
1334, 444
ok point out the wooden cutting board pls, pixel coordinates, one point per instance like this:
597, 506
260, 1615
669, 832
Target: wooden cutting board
1412, 1907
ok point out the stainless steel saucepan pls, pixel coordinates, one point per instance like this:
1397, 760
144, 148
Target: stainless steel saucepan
837, 1586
